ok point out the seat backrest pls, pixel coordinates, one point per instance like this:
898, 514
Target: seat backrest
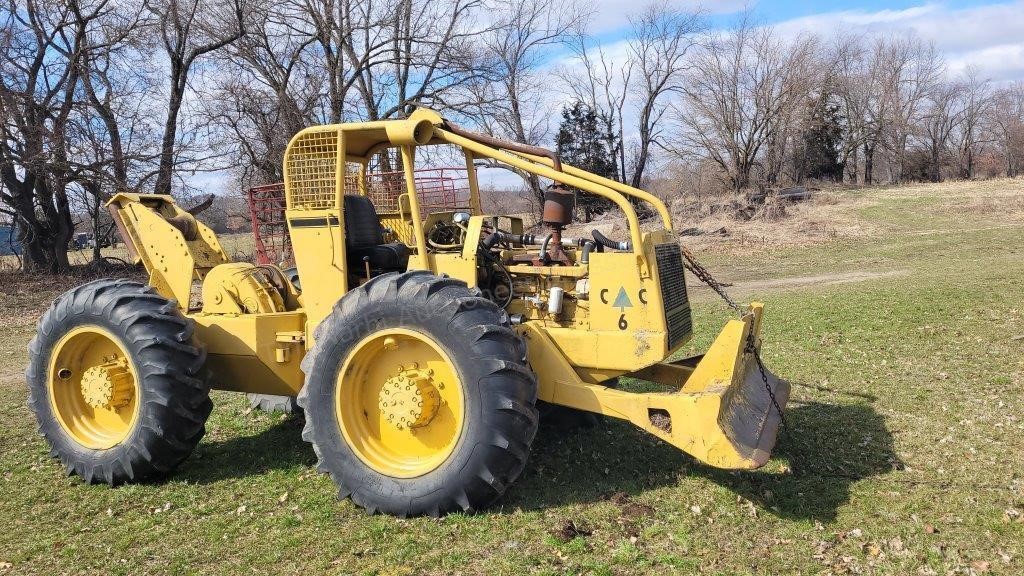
362, 226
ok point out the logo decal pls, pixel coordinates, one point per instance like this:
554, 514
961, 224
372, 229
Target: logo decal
622, 301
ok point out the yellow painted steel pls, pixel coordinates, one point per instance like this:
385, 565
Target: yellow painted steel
613, 321
418, 261
400, 403
256, 353
93, 389
720, 414
239, 288
153, 223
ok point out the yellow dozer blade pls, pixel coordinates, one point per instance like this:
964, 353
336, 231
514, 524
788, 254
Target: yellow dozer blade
722, 413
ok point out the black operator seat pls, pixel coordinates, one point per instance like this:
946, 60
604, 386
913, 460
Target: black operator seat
364, 238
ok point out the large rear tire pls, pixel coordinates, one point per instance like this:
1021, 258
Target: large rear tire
418, 397
116, 382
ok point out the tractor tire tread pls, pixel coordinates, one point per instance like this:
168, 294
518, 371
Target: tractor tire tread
174, 401
491, 361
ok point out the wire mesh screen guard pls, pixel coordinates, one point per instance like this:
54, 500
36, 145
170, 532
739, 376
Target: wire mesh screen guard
439, 190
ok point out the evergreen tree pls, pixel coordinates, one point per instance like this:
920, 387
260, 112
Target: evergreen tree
581, 142
823, 141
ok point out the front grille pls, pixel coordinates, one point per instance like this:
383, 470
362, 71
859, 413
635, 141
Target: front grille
673, 292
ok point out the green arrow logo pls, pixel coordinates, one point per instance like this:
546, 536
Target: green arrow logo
622, 300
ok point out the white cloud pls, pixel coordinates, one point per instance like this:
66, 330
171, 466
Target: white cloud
989, 37
613, 15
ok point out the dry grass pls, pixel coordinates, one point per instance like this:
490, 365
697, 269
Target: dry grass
847, 213
827, 216
239, 247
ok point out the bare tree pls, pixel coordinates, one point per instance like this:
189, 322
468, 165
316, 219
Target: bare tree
1006, 120
189, 30
740, 97
511, 101
910, 67
41, 73
970, 135
857, 82
662, 38
424, 53
273, 82
111, 141
604, 85
943, 113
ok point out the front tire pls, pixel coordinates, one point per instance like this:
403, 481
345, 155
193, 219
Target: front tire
418, 397
116, 382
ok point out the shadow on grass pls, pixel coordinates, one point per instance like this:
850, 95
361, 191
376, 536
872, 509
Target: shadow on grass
278, 447
830, 446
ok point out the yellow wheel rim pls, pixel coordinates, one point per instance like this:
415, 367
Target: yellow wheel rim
400, 403
93, 387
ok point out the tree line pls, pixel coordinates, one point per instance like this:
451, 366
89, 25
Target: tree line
100, 96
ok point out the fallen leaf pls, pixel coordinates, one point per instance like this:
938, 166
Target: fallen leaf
980, 565
283, 498
896, 544
929, 529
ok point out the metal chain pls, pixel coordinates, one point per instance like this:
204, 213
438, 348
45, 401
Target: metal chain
751, 348
704, 275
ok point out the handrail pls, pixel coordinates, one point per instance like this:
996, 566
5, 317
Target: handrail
542, 169
500, 144
651, 199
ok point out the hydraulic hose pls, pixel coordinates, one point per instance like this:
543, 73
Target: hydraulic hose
608, 243
528, 240
588, 246
544, 257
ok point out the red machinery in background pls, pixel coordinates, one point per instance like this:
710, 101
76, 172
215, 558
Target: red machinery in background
440, 190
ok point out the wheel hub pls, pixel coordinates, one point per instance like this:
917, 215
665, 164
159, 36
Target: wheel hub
409, 399
108, 385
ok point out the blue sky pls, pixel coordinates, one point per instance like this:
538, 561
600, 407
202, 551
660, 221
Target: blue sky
987, 35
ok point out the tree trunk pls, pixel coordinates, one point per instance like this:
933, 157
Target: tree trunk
33, 259
94, 212
166, 168
869, 161
641, 164
852, 162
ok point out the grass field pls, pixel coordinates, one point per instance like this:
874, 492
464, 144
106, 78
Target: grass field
904, 453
